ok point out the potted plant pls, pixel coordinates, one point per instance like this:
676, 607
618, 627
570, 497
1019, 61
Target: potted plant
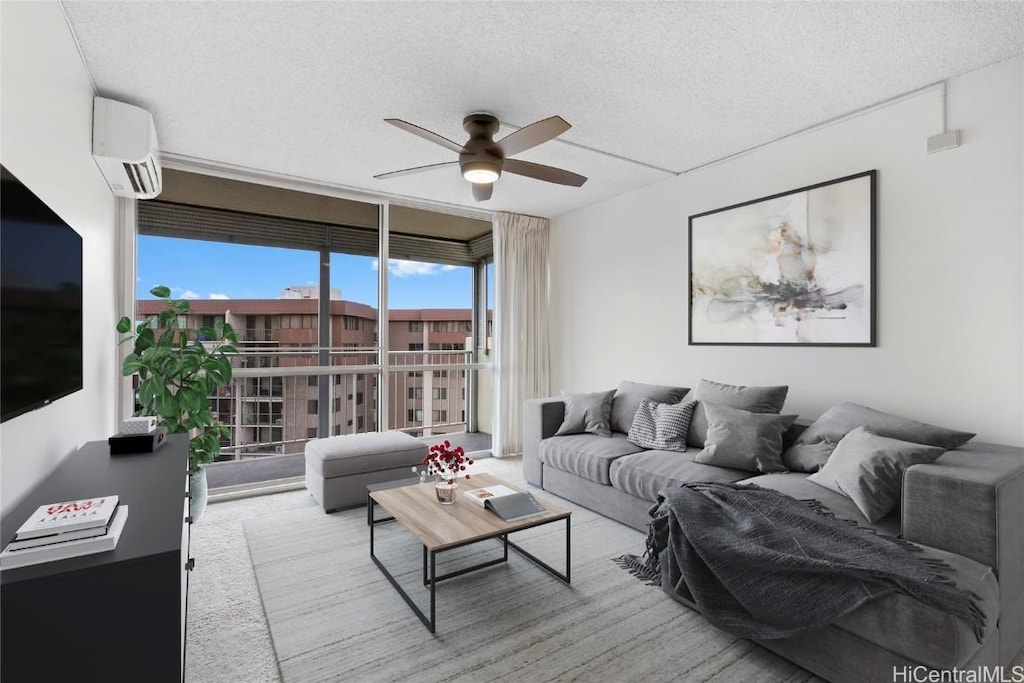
179, 369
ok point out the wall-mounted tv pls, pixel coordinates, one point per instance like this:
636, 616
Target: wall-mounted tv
40, 302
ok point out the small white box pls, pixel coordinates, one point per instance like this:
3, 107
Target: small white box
139, 425
944, 141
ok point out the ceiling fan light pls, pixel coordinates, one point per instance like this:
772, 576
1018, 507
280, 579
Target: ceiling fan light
480, 172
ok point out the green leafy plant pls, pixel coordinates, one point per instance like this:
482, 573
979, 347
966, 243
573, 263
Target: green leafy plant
179, 371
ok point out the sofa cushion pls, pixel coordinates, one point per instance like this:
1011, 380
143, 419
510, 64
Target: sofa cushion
908, 627
842, 418
743, 440
797, 485
868, 469
627, 399
756, 399
661, 425
644, 474
585, 455
586, 413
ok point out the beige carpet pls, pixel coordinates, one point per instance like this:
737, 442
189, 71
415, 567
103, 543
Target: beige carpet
334, 617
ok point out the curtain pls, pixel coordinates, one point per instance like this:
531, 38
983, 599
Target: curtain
521, 356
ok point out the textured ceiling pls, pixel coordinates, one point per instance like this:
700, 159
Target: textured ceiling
302, 88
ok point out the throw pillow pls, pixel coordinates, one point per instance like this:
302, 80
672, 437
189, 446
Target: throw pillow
868, 469
628, 396
807, 457
743, 440
841, 419
661, 425
756, 399
586, 413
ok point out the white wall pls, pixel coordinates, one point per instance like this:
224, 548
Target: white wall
46, 142
949, 268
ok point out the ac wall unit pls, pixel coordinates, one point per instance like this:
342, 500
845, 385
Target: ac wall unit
125, 147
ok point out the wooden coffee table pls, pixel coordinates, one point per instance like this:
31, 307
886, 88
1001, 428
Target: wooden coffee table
444, 527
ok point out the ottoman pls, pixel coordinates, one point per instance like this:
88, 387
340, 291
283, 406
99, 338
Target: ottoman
338, 468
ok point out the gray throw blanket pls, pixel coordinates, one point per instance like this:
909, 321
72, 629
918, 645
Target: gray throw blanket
761, 564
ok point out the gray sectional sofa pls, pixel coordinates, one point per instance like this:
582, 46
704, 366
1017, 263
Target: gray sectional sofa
966, 507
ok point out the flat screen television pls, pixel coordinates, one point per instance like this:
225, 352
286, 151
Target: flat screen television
40, 302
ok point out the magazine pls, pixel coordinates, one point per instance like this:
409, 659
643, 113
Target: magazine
72, 515
515, 507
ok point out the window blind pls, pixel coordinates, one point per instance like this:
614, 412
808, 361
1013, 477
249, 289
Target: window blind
172, 219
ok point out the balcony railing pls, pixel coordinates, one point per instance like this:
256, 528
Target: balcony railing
430, 392
260, 334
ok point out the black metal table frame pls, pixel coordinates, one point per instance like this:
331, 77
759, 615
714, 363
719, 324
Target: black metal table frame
431, 579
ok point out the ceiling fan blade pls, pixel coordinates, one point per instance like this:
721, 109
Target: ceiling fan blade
482, 191
542, 172
532, 135
427, 135
416, 169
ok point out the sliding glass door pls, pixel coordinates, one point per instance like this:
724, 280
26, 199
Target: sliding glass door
298, 276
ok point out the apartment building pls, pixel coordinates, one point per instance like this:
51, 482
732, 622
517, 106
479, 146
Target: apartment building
272, 408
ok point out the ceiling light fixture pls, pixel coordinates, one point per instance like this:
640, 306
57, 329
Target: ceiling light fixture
481, 172
482, 160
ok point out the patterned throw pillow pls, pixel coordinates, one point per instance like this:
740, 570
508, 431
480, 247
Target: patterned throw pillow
661, 425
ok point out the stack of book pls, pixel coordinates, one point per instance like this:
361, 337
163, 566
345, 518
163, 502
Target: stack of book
60, 530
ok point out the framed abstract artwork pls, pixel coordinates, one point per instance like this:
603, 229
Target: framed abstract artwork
792, 269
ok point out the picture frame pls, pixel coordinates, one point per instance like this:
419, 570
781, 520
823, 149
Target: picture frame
795, 268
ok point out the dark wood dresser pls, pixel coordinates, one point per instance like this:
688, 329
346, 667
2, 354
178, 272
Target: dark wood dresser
111, 616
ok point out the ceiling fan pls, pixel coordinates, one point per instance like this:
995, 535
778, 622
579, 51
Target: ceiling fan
482, 160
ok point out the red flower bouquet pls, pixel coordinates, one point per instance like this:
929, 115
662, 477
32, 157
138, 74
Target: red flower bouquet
447, 462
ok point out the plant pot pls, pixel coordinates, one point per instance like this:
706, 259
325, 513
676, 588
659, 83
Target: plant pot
197, 487
445, 491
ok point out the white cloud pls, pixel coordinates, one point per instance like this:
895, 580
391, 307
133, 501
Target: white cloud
410, 268
400, 268
182, 293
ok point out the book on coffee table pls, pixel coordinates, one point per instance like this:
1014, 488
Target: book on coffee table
515, 506
485, 493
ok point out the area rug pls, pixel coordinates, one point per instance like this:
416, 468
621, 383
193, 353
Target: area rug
334, 617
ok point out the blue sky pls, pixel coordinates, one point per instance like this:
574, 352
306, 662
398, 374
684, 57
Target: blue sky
195, 269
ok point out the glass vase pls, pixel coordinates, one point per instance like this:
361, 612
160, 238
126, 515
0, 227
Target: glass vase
445, 489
